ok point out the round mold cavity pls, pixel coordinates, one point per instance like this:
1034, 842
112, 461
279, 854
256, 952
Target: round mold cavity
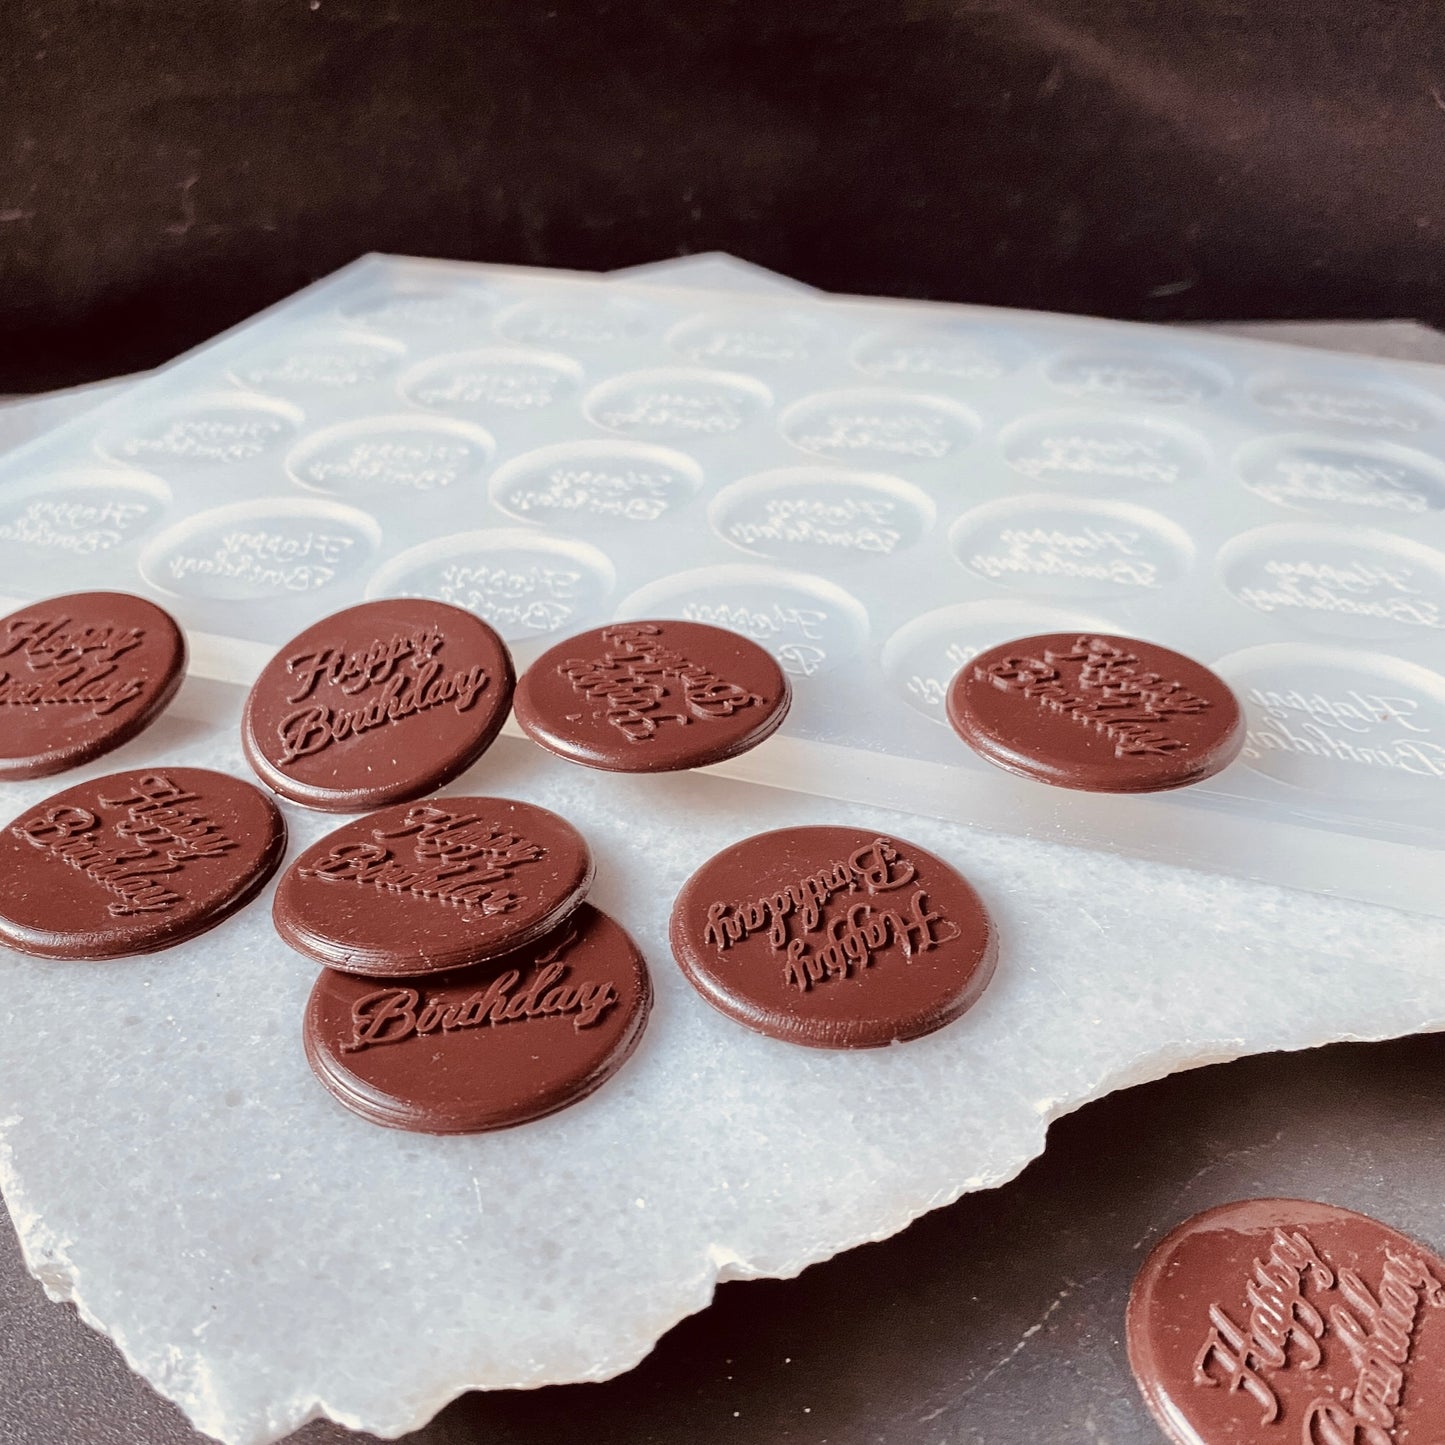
525, 585
1350, 724
81, 512
1057, 546
1102, 451
924, 655
874, 425
573, 321
1160, 375
1327, 398
677, 404
260, 551
209, 430
577, 486
821, 516
421, 306
958, 352
809, 624
492, 379
1344, 479
1340, 582
391, 456
751, 337
318, 362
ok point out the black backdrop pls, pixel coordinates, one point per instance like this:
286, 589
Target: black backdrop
169, 166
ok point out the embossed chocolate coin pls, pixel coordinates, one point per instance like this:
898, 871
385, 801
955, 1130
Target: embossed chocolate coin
424, 887
378, 704
80, 675
1282, 1322
652, 697
134, 862
833, 937
484, 1047
1104, 714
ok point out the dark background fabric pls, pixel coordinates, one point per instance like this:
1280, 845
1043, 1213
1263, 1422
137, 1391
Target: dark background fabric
167, 167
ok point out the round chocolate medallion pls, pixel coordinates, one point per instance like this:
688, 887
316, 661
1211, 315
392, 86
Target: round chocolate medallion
833, 937
1105, 714
424, 887
134, 862
80, 675
1278, 1321
486, 1047
652, 697
378, 704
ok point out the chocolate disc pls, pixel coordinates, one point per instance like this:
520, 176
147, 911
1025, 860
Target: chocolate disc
80, 675
424, 887
378, 704
652, 697
1281, 1322
833, 937
485, 1047
1105, 714
134, 862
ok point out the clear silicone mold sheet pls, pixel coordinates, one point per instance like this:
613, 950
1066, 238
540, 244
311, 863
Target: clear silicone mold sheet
874, 490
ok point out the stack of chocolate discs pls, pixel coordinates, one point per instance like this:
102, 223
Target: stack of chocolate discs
467, 985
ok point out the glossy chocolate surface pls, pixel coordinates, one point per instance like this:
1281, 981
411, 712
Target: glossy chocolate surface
1103, 714
833, 937
1284, 1322
424, 887
485, 1047
80, 675
652, 697
134, 862
379, 704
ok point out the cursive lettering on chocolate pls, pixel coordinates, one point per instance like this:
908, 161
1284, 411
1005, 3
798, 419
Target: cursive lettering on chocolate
68, 664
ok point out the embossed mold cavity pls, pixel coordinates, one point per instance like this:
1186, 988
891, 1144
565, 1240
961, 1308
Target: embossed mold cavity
82, 512
1340, 582
495, 380
311, 361
391, 456
1326, 398
808, 623
1071, 547
956, 352
420, 307
1340, 722
1138, 373
874, 425
211, 429
578, 486
1320, 474
677, 404
524, 584
260, 551
1102, 451
573, 321
821, 515
924, 655
746, 338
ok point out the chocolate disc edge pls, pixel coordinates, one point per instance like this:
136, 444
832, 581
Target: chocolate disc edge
52, 764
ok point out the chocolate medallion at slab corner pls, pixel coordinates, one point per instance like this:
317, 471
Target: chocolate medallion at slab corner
485, 1047
833, 937
425, 887
134, 862
80, 675
1285, 1322
379, 704
653, 697
1102, 714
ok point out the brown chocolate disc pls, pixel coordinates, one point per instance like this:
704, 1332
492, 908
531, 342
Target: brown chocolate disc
378, 704
1105, 714
80, 675
833, 937
424, 887
652, 697
1281, 1322
134, 862
485, 1047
